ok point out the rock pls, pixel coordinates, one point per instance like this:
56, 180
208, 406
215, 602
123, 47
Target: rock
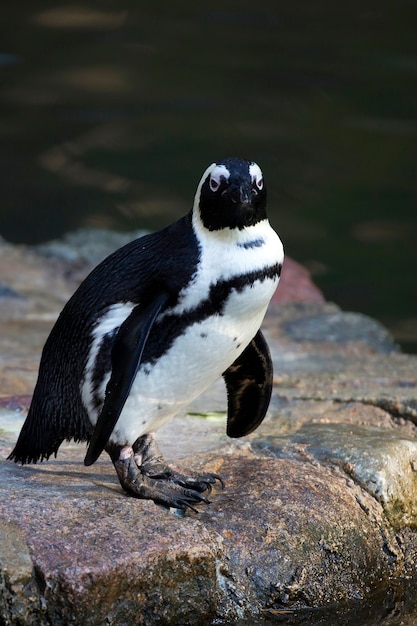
101, 556
316, 522
7, 292
296, 285
86, 245
340, 328
381, 459
19, 595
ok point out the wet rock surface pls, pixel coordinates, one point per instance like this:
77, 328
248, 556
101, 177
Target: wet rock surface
318, 515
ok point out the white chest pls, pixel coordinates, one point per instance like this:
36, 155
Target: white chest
209, 346
194, 361
233, 270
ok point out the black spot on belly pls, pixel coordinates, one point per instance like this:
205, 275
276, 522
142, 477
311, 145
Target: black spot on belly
203, 335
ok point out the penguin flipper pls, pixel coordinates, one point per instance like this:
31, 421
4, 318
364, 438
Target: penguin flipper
249, 387
125, 358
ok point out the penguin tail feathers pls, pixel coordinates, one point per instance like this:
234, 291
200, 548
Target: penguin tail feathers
21, 454
42, 434
31, 447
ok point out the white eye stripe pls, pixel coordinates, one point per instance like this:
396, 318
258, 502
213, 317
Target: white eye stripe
216, 175
256, 175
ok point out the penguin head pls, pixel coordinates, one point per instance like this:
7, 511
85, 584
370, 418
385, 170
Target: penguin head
231, 194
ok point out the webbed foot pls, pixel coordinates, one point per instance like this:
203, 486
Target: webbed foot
143, 473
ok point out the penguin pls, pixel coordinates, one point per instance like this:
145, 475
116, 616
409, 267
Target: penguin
152, 327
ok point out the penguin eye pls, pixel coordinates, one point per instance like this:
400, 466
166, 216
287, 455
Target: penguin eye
259, 183
214, 184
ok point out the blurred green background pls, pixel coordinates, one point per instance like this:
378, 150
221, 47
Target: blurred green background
110, 112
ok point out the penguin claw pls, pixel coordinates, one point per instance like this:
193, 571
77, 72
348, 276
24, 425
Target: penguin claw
180, 501
168, 495
197, 483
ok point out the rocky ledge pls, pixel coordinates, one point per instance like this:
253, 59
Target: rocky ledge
318, 516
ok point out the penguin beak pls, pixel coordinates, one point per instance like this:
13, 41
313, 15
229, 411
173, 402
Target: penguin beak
242, 196
245, 196
239, 194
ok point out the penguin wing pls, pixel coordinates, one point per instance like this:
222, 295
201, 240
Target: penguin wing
249, 387
125, 359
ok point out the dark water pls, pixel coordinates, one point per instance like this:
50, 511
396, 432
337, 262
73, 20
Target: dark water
110, 112
395, 606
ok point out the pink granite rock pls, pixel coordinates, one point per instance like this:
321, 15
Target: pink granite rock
296, 285
318, 513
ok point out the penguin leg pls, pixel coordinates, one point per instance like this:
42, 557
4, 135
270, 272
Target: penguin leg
143, 474
149, 458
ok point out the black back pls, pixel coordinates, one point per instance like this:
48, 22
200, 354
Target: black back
166, 259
